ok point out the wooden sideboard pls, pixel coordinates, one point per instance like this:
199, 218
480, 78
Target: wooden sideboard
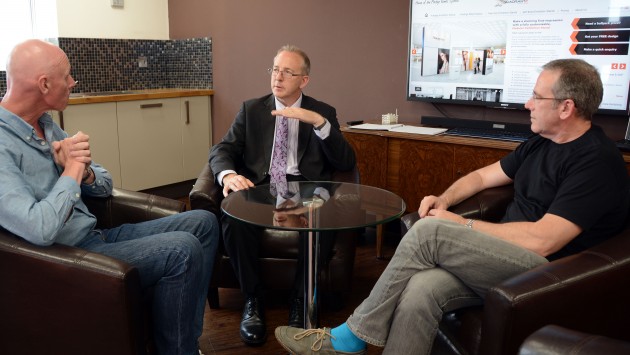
414, 165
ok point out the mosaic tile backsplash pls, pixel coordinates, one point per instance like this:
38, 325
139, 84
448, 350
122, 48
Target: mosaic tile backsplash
3, 82
113, 64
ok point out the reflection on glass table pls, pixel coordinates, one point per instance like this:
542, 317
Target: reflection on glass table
312, 207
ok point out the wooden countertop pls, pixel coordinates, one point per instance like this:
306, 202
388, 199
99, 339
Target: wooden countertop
130, 95
477, 142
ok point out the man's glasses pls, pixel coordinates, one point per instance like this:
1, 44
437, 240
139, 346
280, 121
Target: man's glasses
285, 73
535, 96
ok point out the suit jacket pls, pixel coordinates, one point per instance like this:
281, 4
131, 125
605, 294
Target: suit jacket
248, 144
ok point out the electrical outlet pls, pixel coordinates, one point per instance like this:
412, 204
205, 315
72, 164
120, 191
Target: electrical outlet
142, 62
118, 3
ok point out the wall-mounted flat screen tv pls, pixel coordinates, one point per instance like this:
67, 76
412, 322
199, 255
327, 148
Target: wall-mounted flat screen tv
490, 52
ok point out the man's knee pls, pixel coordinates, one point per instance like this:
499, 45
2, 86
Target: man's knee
184, 240
205, 220
172, 249
430, 228
237, 234
425, 224
422, 228
180, 253
186, 246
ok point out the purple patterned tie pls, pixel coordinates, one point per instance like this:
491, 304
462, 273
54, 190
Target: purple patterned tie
278, 169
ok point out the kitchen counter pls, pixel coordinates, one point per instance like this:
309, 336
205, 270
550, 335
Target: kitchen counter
130, 95
145, 138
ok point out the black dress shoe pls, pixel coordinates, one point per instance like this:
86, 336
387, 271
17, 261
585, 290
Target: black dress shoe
253, 328
296, 313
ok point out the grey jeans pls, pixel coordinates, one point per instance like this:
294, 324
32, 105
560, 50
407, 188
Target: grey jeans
438, 266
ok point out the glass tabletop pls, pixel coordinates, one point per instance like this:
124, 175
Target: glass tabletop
314, 206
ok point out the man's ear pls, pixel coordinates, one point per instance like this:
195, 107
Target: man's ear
304, 82
567, 108
42, 84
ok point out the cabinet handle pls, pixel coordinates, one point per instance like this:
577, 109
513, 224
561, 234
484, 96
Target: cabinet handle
61, 125
187, 111
151, 105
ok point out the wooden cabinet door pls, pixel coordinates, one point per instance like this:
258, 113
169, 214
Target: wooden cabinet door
371, 153
469, 158
414, 167
423, 168
150, 140
196, 134
99, 122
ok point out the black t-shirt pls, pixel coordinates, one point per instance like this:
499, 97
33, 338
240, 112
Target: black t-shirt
584, 181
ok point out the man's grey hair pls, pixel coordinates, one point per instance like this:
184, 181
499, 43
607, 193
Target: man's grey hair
578, 81
306, 67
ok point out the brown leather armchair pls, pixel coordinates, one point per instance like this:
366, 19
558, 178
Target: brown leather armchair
555, 340
65, 300
279, 249
587, 292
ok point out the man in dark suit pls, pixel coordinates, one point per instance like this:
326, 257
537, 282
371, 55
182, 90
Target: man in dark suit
249, 154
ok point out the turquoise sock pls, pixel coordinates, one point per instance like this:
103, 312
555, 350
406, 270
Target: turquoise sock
345, 340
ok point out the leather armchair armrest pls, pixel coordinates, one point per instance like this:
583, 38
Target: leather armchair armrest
206, 194
586, 291
488, 205
125, 206
555, 340
61, 297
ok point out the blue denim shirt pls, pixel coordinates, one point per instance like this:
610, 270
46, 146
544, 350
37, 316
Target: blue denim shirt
36, 202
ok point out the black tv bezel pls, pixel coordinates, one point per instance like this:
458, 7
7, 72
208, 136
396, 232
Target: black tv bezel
504, 105
487, 104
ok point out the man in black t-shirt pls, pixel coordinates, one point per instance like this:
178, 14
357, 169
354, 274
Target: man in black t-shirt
571, 192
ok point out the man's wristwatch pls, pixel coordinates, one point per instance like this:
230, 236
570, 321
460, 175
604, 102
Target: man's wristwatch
321, 125
90, 172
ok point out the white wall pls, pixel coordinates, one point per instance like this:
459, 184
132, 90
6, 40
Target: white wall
138, 19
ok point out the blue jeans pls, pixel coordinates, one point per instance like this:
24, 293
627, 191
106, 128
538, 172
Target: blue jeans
175, 256
439, 266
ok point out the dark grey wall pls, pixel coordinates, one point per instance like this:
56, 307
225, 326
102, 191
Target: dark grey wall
358, 51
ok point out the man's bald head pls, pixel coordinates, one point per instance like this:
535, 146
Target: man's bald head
38, 79
31, 59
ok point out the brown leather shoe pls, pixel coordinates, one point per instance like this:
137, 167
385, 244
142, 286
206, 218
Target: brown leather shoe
308, 342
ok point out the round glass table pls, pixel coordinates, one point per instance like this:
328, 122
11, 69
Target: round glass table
312, 207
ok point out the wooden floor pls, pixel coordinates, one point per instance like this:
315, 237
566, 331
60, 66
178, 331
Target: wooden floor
221, 326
